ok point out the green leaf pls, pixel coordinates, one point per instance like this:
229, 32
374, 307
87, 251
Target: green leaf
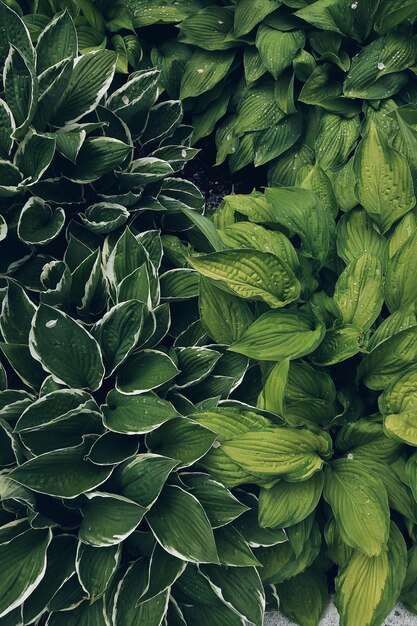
391, 13
272, 394
181, 526
34, 155
303, 598
250, 274
346, 18
7, 126
118, 332
63, 473
249, 235
60, 566
95, 567
398, 321
279, 452
258, 109
360, 505
400, 289
52, 86
358, 291
280, 562
20, 90
38, 223
58, 41
398, 405
274, 141
340, 343
300, 211
137, 414
377, 72
142, 478
20, 359
84, 613
108, 519
204, 71
23, 561
91, 77
182, 439
104, 217
128, 611
98, 156
194, 364
16, 314
208, 29
219, 503
204, 225
164, 570
69, 142
389, 359
385, 187
179, 284
77, 363
286, 504
356, 236
335, 140
224, 316
233, 549
134, 98
278, 49
277, 335
250, 13
367, 588
144, 371
13, 31
240, 589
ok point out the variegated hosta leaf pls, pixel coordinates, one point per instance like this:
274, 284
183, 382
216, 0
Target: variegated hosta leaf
182, 527
24, 562
367, 587
77, 363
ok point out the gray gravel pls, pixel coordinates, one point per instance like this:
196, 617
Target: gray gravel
399, 617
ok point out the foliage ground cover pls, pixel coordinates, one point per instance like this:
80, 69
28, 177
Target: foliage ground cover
206, 415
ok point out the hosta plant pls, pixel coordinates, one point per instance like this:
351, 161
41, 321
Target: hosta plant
105, 518
270, 74
317, 290
99, 24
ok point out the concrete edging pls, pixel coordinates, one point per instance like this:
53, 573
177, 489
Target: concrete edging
399, 617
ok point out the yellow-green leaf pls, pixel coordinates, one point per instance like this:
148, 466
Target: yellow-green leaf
385, 186
250, 274
360, 505
367, 588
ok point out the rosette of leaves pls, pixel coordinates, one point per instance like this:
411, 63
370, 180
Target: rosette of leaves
99, 24
267, 74
314, 283
104, 516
